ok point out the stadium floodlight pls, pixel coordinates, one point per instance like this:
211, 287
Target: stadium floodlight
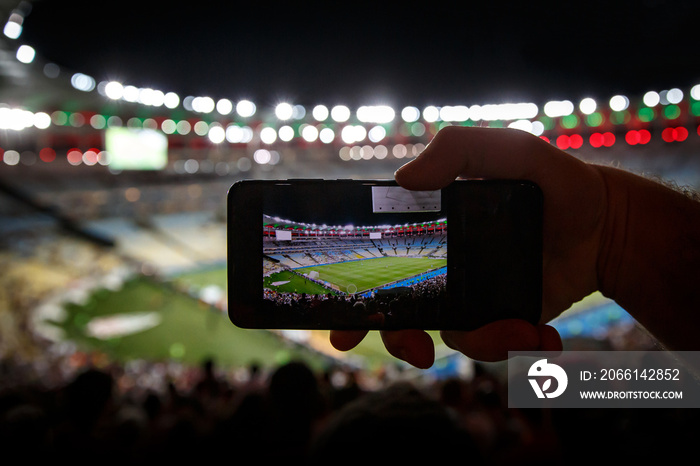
619, 103
431, 114
114, 90
410, 114
286, 133
25, 54
151, 97
224, 106
558, 108
587, 106
12, 30
353, 133
216, 134
377, 133
326, 135
340, 113
674, 96
262, 156
298, 112
320, 112
376, 114
454, 113
245, 108
171, 100
41, 120
131, 94
523, 125
203, 104
651, 99
268, 135
309, 133
82, 82
284, 111
695, 92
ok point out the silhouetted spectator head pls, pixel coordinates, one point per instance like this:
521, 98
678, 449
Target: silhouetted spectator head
398, 423
88, 395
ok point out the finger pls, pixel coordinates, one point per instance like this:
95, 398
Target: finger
493, 341
413, 346
345, 340
471, 152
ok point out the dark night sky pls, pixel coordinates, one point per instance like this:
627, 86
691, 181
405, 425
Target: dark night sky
404, 53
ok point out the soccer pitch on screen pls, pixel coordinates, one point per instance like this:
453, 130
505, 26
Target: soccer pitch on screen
354, 276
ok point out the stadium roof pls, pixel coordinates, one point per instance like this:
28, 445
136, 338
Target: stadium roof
280, 223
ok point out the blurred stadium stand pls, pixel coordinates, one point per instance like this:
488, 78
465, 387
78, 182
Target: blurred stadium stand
65, 210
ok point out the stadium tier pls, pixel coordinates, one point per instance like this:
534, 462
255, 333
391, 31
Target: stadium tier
158, 208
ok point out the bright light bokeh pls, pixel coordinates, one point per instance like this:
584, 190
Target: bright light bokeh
695, 92
268, 135
224, 106
410, 114
245, 108
674, 96
25, 54
309, 133
114, 90
558, 108
217, 134
286, 133
320, 113
587, 106
340, 113
171, 100
431, 114
376, 114
454, 113
376, 133
651, 99
326, 135
12, 29
284, 111
619, 103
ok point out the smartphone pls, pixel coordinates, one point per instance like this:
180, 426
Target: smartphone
369, 254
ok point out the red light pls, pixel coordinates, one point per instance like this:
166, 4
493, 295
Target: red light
563, 142
546, 139
632, 137
674, 134
575, 141
669, 134
681, 133
644, 136
47, 154
608, 139
596, 140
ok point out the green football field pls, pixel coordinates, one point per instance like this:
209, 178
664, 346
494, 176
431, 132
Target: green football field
180, 327
184, 329
357, 276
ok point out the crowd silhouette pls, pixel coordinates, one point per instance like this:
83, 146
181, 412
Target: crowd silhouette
142, 413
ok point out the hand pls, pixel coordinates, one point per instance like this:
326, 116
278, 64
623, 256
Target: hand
574, 215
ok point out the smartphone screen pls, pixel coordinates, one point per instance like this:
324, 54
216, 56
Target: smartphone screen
373, 255
360, 254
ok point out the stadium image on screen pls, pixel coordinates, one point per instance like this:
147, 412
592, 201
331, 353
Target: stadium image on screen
373, 271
